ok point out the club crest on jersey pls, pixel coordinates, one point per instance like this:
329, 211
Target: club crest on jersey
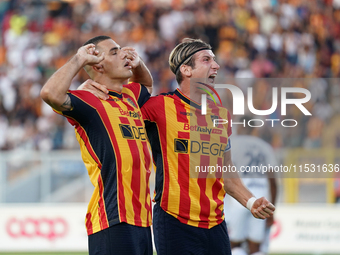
213, 117
131, 102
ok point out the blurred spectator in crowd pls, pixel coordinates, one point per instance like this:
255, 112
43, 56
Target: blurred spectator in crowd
258, 38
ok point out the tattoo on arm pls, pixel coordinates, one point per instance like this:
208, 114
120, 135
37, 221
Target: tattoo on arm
67, 105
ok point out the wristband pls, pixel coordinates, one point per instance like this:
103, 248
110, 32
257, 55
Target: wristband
250, 202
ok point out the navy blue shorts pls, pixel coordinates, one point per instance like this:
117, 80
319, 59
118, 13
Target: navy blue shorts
121, 239
175, 238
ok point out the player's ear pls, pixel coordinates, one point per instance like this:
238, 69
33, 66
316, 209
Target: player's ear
186, 70
98, 68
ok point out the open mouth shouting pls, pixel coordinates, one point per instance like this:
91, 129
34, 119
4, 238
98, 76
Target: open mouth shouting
211, 78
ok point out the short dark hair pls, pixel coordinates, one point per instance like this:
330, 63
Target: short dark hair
97, 39
183, 54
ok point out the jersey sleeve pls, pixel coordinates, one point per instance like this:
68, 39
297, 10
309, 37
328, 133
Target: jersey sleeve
140, 92
82, 107
149, 109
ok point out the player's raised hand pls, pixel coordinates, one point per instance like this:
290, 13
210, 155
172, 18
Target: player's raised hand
89, 54
95, 88
133, 56
262, 208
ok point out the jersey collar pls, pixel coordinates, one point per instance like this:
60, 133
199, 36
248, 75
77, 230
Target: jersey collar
115, 93
187, 99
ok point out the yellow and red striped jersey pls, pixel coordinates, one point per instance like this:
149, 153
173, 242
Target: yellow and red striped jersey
115, 150
181, 139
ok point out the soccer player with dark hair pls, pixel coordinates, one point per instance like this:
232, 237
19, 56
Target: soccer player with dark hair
188, 214
113, 143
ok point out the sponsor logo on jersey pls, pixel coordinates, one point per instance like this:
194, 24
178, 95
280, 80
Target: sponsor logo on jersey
207, 148
132, 114
181, 145
185, 113
202, 147
202, 129
132, 132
